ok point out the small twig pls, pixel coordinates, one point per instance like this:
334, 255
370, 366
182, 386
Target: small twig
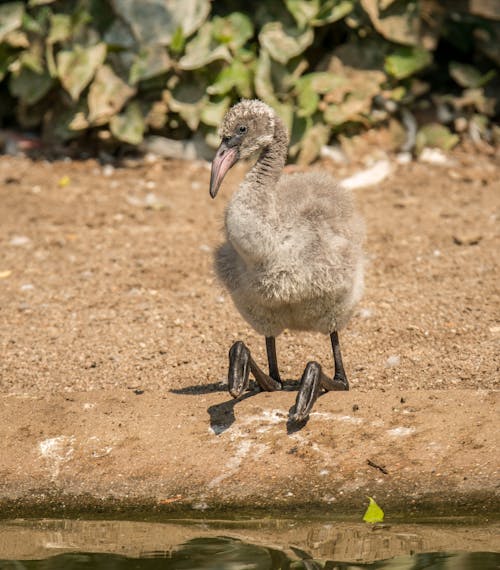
379, 467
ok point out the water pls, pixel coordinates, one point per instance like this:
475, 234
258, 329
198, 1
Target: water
245, 545
228, 554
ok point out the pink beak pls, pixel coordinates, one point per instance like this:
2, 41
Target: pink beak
225, 158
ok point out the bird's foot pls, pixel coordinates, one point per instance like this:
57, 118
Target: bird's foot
241, 364
336, 384
312, 382
310, 386
239, 369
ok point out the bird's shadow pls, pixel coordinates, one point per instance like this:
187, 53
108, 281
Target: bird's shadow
200, 389
222, 415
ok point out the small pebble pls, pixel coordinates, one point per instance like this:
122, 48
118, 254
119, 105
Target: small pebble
20, 240
334, 153
467, 238
404, 158
434, 156
108, 170
392, 361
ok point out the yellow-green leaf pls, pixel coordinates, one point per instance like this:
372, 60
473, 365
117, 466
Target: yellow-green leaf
374, 513
11, 18
76, 67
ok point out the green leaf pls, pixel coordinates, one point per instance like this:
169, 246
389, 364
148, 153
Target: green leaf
307, 99
178, 41
203, 49
233, 30
7, 57
332, 11
189, 100
156, 22
302, 11
237, 76
77, 67
11, 17
149, 62
60, 121
405, 61
468, 75
60, 28
314, 138
323, 81
374, 513
32, 58
29, 85
399, 22
128, 126
213, 112
107, 95
265, 89
284, 43
437, 136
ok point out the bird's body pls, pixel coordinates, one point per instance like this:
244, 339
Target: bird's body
293, 252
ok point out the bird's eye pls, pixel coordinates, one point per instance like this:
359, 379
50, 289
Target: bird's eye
242, 129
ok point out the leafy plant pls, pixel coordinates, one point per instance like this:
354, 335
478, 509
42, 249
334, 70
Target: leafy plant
175, 66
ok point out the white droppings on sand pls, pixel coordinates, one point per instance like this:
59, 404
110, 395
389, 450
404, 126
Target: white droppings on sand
97, 449
338, 417
233, 464
400, 431
88, 406
243, 447
56, 451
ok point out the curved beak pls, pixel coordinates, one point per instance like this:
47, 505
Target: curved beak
225, 157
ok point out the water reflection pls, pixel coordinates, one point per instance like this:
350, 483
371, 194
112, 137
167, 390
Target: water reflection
223, 553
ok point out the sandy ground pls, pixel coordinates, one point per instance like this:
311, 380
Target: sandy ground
114, 337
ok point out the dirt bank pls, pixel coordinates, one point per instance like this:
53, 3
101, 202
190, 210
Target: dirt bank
115, 333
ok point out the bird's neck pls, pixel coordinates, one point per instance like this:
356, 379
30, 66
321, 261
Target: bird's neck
269, 166
251, 219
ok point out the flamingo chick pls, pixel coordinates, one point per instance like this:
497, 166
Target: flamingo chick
293, 253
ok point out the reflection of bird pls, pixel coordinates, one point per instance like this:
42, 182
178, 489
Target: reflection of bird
293, 252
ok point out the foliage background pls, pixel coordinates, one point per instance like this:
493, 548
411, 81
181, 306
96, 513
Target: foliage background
75, 69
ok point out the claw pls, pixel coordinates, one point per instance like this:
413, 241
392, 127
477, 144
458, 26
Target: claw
310, 385
239, 369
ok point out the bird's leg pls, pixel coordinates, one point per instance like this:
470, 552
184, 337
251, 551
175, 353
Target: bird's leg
313, 379
339, 380
272, 359
241, 363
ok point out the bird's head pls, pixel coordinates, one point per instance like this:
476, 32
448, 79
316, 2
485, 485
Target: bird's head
247, 128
